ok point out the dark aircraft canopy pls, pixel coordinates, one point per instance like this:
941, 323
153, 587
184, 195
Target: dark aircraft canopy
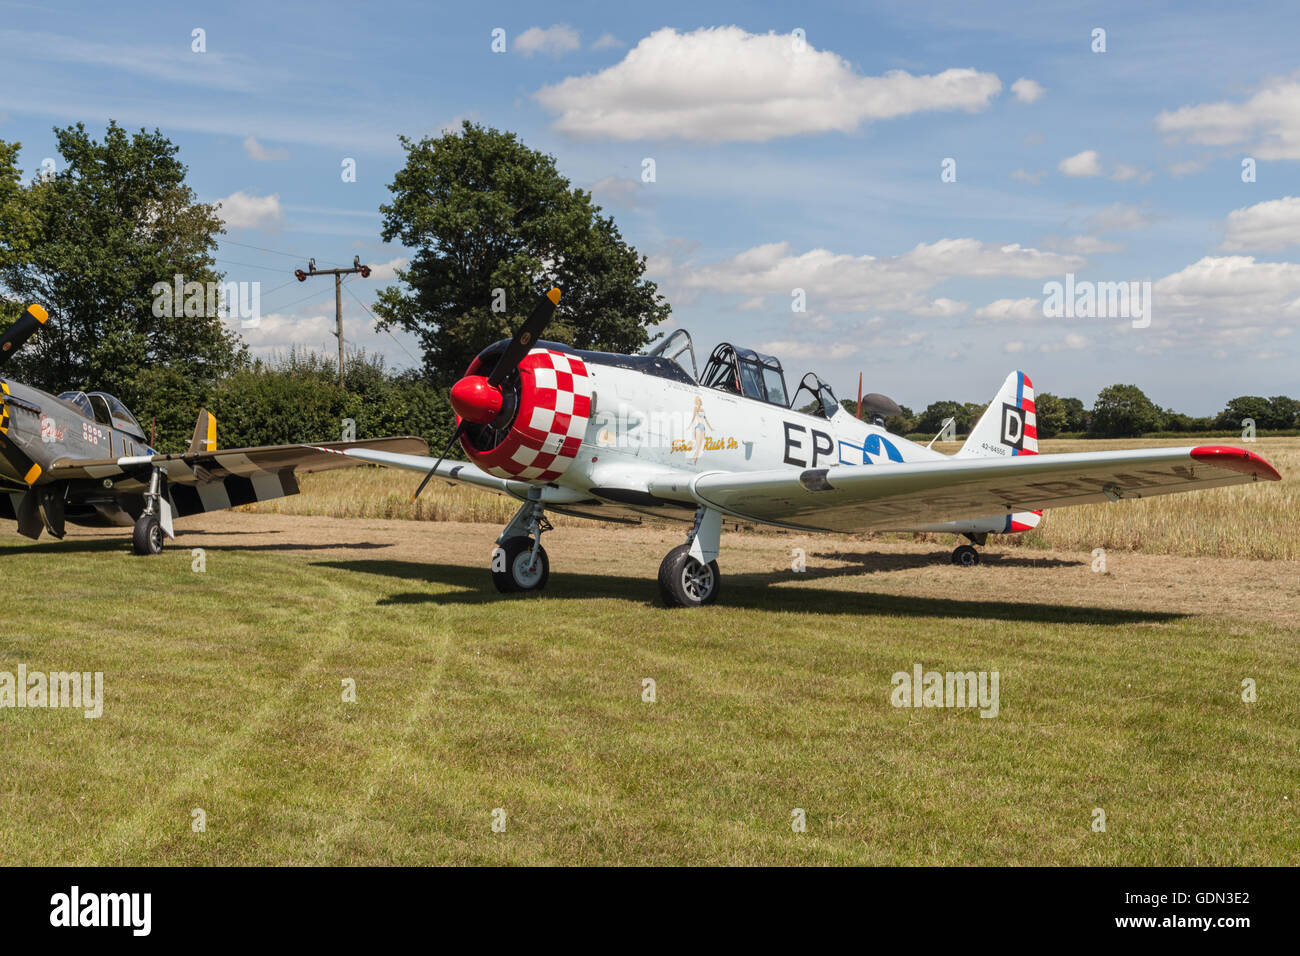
106, 410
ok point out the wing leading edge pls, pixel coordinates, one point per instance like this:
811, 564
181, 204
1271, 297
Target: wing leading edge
200, 481
893, 496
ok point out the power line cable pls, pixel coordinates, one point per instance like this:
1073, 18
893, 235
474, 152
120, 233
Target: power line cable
249, 265
385, 329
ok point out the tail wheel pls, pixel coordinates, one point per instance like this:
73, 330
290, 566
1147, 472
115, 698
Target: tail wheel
685, 582
966, 556
514, 568
148, 536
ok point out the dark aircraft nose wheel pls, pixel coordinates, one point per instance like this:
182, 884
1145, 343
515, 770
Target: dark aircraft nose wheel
685, 582
966, 556
515, 568
148, 537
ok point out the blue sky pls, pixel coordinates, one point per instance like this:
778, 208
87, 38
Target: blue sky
778, 165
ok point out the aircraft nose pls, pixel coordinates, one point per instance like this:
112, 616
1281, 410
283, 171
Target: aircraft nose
476, 400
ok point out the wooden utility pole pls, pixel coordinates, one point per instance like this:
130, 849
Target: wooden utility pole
338, 274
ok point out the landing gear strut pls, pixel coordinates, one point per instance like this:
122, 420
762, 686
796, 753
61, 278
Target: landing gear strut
688, 576
965, 555
519, 562
156, 519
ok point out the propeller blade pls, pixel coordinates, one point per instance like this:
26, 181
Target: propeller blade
525, 338
30, 523
27, 469
455, 436
21, 331
859, 395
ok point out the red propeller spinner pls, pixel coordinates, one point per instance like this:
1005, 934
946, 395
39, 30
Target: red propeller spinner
476, 400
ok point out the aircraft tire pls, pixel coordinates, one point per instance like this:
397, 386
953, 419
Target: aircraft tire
148, 536
684, 582
966, 556
515, 575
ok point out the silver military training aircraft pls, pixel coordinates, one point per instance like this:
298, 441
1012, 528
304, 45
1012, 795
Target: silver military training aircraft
81, 457
631, 437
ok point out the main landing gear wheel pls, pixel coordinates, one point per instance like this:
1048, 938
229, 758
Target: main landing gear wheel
513, 567
148, 536
966, 556
685, 582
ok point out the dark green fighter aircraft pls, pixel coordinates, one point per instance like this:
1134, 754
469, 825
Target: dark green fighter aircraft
81, 457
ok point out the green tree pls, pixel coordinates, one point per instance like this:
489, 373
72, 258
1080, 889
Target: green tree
1278, 412
90, 243
903, 424
1284, 412
1124, 411
296, 398
1076, 416
18, 231
1255, 407
1178, 422
1051, 414
974, 412
931, 420
486, 213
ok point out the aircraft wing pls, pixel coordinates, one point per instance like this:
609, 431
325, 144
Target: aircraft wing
891, 496
449, 470
200, 481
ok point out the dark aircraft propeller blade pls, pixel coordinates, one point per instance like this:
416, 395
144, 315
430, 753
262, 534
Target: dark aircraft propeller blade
27, 469
524, 340
526, 337
21, 331
455, 436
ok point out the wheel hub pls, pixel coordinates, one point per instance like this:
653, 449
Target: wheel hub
527, 572
697, 579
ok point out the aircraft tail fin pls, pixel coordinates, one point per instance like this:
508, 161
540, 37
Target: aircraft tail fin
205, 433
1008, 426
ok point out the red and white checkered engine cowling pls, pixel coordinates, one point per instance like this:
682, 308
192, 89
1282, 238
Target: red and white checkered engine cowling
554, 405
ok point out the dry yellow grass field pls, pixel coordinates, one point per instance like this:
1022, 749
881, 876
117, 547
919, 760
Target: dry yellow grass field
1260, 521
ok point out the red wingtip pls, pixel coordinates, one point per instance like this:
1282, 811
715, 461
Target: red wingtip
1236, 459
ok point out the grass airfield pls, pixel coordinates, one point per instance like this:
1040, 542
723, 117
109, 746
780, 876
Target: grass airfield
223, 692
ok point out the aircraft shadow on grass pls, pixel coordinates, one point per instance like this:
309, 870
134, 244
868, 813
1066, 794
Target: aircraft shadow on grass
93, 545
875, 562
752, 590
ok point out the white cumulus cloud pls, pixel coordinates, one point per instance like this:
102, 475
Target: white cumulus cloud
1011, 309
239, 210
1267, 226
257, 151
1087, 163
1027, 91
1268, 122
555, 40
840, 282
724, 84
1225, 304
1082, 245
388, 270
